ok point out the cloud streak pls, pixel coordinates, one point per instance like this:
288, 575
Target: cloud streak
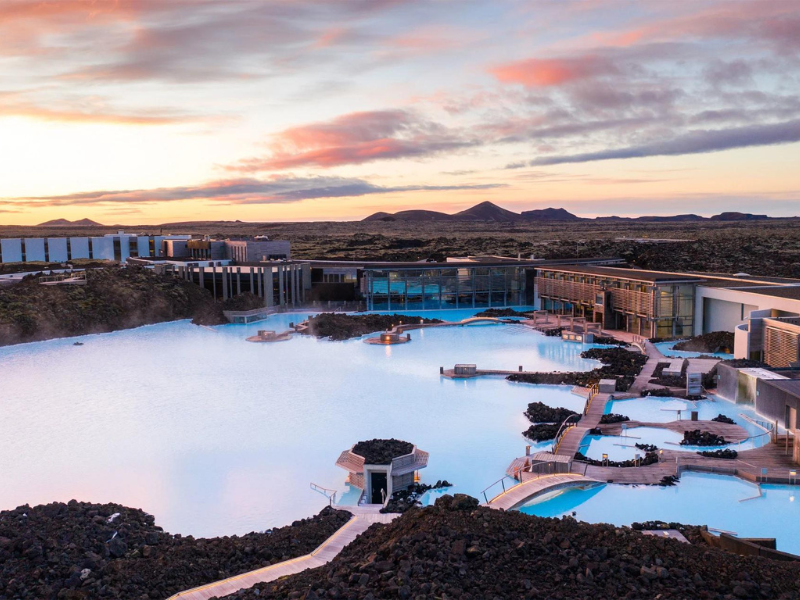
276, 190
692, 142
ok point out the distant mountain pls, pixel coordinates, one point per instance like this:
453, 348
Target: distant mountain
410, 215
68, 223
549, 214
737, 216
487, 211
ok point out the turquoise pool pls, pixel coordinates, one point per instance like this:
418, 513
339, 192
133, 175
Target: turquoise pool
666, 348
662, 410
699, 499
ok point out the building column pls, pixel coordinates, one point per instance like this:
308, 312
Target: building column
224, 283
268, 287
281, 297
200, 279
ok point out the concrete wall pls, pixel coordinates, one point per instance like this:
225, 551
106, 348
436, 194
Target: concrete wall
747, 302
79, 247
34, 250
723, 315
772, 400
57, 249
11, 249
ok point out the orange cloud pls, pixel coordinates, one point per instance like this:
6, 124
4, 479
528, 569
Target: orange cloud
353, 139
536, 72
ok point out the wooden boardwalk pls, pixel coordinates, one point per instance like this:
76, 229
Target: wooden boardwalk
523, 492
573, 438
363, 518
732, 433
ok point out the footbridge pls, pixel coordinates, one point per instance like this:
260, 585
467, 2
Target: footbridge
531, 488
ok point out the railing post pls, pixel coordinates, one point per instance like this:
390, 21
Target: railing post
503, 483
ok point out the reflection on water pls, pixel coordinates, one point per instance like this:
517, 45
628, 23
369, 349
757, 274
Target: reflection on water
215, 435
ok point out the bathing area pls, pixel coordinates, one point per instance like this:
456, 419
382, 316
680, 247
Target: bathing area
226, 436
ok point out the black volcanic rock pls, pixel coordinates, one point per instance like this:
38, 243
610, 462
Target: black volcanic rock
456, 549
382, 452
87, 551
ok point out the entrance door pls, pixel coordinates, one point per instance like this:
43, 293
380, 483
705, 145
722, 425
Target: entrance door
377, 485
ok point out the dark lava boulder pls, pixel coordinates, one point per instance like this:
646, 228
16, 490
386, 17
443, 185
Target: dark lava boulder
457, 549
86, 551
715, 341
381, 452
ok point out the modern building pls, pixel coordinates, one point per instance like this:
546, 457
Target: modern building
474, 282
257, 249
113, 246
664, 304
646, 303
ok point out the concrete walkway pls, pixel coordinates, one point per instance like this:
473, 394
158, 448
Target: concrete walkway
363, 518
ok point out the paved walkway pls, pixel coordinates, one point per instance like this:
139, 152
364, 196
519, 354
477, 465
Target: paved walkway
363, 518
535, 487
572, 439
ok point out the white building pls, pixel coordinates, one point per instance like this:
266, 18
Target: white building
113, 246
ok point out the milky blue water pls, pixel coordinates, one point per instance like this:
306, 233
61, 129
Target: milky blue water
215, 435
666, 348
662, 410
699, 499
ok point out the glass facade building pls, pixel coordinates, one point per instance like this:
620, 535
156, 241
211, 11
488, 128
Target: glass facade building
440, 287
646, 303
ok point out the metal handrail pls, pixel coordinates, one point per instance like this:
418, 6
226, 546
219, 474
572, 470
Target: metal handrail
502, 482
327, 492
562, 430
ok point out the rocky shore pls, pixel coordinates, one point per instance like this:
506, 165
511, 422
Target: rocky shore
618, 363
113, 298
81, 551
458, 550
340, 326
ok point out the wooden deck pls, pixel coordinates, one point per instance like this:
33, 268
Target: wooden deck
541, 485
363, 518
747, 466
732, 433
572, 439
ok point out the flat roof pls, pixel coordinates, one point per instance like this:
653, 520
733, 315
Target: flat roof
452, 265
622, 273
779, 291
762, 373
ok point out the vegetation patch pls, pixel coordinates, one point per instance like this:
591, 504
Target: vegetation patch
340, 326
381, 452
113, 298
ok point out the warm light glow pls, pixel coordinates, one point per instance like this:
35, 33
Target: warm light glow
313, 116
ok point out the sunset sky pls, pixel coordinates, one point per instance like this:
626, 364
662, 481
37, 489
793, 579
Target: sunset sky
149, 111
